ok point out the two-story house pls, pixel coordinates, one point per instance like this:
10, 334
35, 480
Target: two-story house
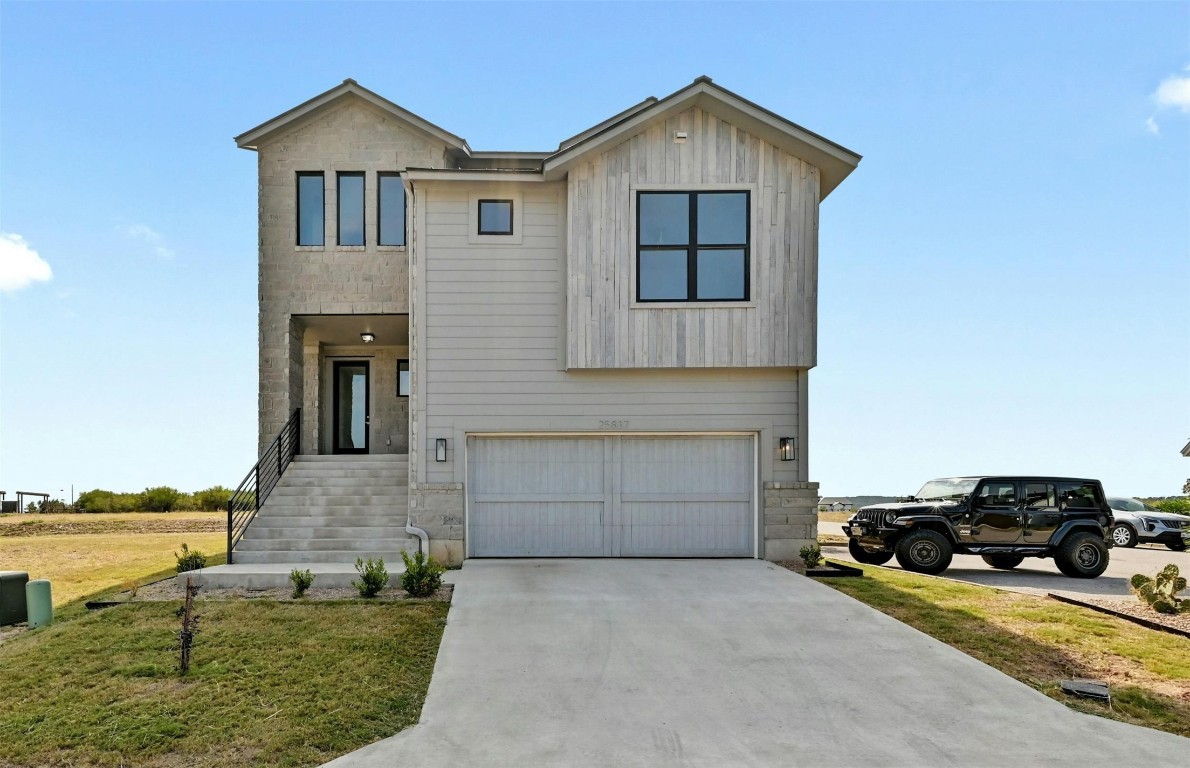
599, 350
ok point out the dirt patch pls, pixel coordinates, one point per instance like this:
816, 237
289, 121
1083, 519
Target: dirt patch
1141, 611
58, 528
169, 589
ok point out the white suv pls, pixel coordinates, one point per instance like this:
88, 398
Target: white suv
1138, 523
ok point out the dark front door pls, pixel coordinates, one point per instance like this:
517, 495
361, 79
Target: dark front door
352, 406
995, 513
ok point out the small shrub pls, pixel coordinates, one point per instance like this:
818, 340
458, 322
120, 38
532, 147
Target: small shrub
190, 561
1161, 593
301, 581
372, 576
132, 585
811, 556
422, 576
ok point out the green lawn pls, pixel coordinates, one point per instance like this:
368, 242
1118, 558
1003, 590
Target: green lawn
271, 684
1041, 642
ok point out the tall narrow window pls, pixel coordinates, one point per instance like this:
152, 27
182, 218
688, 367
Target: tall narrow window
351, 208
692, 246
392, 209
403, 378
311, 214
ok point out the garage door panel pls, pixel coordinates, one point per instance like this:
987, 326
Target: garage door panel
687, 465
528, 529
686, 529
527, 466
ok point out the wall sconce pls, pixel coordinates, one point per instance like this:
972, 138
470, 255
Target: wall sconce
368, 337
440, 449
787, 449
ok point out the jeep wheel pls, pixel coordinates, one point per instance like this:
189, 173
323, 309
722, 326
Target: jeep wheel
862, 555
1003, 562
924, 551
1081, 555
1176, 546
1123, 536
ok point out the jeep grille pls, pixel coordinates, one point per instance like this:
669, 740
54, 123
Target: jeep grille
870, 515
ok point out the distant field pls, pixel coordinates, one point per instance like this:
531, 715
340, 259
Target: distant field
80, 564
834, 517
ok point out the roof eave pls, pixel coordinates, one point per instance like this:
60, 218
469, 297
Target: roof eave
834, 161
253, 138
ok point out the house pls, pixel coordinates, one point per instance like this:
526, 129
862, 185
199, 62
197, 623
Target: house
596, 350
834, 504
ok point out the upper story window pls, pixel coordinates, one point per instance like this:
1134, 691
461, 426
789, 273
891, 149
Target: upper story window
311, 213
351, 207
495, 217
402, 378
692, 246
391, 202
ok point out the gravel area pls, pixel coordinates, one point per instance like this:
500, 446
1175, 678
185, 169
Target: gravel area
1141, 611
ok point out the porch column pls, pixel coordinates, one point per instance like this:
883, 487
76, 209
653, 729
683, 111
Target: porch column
311, 397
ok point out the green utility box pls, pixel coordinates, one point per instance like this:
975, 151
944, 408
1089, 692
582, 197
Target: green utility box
39, 603
12, 597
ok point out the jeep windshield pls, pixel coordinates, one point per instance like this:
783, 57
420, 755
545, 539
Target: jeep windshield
946, 489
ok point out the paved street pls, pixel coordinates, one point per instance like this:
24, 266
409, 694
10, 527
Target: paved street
1040, 575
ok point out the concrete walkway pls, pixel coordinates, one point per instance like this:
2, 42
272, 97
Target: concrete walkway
721, 663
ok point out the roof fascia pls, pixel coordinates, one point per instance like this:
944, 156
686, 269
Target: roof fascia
606, 123
833, 161
253, 138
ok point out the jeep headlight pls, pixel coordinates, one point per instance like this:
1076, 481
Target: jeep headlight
890, 516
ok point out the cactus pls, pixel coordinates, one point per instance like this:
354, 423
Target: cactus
1162, 591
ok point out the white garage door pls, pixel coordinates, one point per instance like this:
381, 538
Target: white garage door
611, 496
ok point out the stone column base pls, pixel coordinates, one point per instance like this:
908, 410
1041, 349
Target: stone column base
790, 519
437, 508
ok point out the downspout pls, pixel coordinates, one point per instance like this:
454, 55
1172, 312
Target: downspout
410, 528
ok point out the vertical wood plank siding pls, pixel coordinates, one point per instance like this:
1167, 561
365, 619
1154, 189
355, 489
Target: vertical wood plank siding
776, 328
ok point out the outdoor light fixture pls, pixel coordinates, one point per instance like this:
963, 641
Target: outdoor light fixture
440, 449
787, 449
368, 337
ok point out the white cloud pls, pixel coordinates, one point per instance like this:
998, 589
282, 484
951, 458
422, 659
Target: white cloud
1152, 126
1174, 91
20, 265
147, 234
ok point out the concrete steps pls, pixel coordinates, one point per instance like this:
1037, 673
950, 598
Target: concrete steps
325, 511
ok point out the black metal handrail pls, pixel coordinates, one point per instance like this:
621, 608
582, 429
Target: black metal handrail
256, 487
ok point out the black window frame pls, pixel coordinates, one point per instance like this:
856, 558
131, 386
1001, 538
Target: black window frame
380, 175
692, 246
403, 363
298, 208
363, 208
511, 216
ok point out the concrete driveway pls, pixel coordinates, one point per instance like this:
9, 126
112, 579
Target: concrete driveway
720, 663
1041, 576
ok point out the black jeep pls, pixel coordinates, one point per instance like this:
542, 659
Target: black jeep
1003, 519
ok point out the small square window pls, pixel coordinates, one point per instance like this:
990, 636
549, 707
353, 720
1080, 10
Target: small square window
495, 217
403, 378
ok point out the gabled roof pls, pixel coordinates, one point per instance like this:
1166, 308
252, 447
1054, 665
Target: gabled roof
348, 89
1186, 450
834, 162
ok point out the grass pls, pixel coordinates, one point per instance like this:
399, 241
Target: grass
1041, 642
78, 565
271, 684
835, 517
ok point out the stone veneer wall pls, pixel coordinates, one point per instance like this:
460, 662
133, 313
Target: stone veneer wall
790, 518
438, 508
329, 279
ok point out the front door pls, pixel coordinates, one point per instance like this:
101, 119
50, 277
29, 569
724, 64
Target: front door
995, 514
352, 406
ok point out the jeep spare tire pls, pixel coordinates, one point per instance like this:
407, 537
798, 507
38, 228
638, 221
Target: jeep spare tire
1081, 555
924, 551
861, 555
1003, 562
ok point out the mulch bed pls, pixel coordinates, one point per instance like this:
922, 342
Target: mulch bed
169, 589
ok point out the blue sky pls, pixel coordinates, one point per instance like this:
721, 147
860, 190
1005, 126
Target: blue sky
1004, 281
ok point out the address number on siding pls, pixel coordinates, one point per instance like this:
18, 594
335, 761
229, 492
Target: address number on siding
613, 423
